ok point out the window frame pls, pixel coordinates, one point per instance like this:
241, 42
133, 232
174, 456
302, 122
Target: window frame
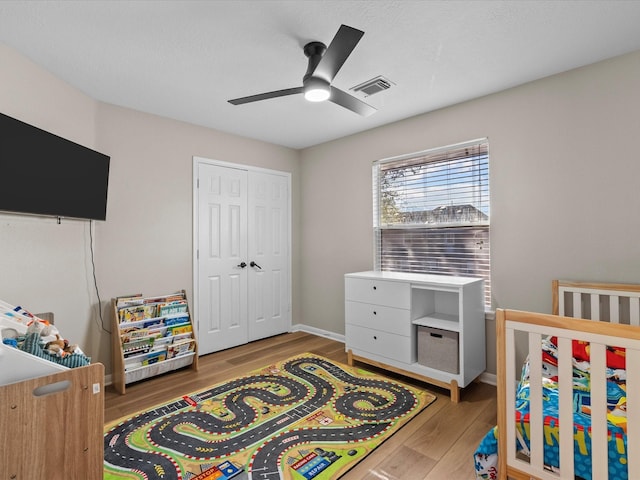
481, 260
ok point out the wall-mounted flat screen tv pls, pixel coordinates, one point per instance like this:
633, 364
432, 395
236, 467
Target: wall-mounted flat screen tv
44, 174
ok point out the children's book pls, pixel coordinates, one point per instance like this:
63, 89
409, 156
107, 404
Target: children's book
172, 308
180, 329
180, 348
154, 357
129, 300
138, 346
136, 313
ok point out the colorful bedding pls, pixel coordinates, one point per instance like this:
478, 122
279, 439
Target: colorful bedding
486, 456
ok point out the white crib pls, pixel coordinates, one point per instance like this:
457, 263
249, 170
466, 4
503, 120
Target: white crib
616, 311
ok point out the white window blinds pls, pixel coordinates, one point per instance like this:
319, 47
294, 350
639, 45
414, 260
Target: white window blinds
431, 212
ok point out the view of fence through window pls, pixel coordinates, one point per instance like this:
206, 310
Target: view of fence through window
431, 212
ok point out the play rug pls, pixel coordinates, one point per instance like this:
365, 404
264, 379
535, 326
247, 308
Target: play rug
305, 417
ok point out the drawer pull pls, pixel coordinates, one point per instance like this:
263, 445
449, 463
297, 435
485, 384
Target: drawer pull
375, 338
375, 313
375, 288
437, 335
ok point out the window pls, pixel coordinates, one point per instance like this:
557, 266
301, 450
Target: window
431, 212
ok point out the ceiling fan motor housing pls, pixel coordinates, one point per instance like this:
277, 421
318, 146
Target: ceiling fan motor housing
314, 51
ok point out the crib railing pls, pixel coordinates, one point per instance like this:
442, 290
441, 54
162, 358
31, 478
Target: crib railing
600, 334
615, 303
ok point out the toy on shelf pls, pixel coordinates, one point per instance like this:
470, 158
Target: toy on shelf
36, 335
60, 347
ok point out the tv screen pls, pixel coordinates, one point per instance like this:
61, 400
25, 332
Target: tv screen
44, 174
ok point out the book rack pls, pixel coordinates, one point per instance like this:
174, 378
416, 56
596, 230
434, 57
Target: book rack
151, 336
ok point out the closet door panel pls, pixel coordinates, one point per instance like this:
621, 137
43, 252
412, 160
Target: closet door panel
222, 240
269, 312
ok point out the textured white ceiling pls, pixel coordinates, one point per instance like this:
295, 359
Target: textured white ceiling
185, 59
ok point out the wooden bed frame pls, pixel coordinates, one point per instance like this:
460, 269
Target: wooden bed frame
57, 434
616, 309
51, 418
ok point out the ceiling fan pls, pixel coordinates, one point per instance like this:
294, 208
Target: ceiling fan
324, 64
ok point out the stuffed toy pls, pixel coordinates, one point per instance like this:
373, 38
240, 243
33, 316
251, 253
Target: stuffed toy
40, 327
59, 347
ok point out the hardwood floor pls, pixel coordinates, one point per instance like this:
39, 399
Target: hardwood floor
438, 444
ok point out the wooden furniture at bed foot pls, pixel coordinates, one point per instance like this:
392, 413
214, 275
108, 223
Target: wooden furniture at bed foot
50, 424
428, 327
151, 336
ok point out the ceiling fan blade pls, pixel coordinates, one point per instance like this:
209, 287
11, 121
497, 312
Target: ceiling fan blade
351, 103
266, 96
338, 51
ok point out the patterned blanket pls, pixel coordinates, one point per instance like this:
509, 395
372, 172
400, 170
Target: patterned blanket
486, 458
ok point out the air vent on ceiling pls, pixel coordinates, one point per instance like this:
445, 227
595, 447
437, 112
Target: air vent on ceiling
373, 86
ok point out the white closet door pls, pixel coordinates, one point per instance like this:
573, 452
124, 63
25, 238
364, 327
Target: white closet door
243, 260
269, 312
222, 249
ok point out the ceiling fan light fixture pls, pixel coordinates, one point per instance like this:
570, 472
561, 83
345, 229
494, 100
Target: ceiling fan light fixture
316, 90
323, 65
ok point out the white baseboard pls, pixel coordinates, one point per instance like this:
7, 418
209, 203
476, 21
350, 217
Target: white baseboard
299, 327
489, 378
108, 379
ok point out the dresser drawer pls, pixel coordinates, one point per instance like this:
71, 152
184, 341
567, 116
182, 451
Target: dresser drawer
379, 292
385, 344
378, 317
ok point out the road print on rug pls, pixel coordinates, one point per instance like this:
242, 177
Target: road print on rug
303, 418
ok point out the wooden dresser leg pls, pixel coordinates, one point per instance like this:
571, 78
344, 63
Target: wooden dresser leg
455, 392
350, 357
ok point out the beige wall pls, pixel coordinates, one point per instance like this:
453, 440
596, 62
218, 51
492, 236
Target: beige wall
45, 266
564, 189
563, 181
146, 243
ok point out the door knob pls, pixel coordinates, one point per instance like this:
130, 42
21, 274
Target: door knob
254, 264
242, 265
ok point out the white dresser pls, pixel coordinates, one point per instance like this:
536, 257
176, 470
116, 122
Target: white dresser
429, 327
